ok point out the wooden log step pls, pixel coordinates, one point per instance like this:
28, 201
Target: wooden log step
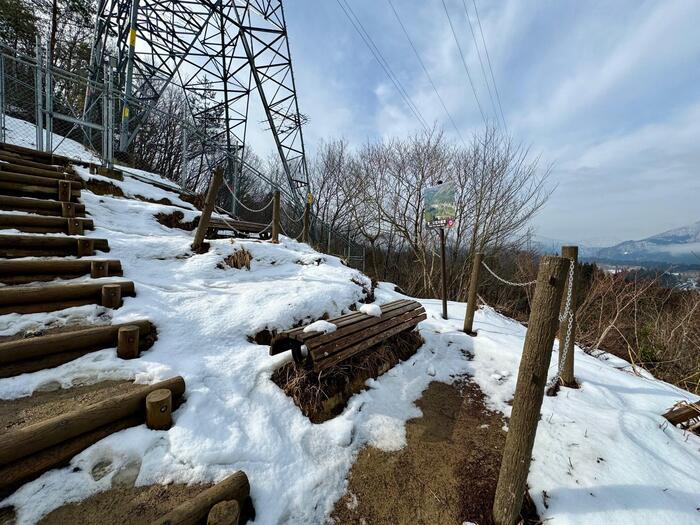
33, 190
28, 451
27, 355
39, 206
7, 177
683, 413
13, 246
44, 224
48, 298
38, 156
20, 169
14, 158
236, 488
22, 271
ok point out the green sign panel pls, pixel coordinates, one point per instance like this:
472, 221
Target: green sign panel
439, 202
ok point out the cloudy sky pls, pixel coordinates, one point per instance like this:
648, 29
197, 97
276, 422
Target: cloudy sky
608, 92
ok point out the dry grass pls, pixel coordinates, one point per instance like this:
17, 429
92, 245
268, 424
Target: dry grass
321, 396
238, 259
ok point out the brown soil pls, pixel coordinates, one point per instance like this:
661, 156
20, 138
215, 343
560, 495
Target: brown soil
446, 473
103, 187
174, 220
135, 506
45, 404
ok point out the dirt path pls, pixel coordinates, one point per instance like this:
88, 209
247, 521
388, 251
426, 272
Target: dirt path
446, 474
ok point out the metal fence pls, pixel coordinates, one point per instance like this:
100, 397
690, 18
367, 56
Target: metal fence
65, 113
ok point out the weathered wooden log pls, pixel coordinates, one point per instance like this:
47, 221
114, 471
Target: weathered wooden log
31, 180
472, 294
13, 158
224, 513
44, 224
48, 298
567, 365
159, 409
68, 209
17, 167
21, 189
15, 474
111, 296
529, 390
19, 271
683, 413
83, 340
209, 203
39, 156
30, 439
276, 217
39, 206
64, 188
128, 342
235, 487
12, 246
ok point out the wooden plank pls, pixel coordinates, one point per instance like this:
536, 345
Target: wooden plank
683, 413
367, 343
30, 439
325, 350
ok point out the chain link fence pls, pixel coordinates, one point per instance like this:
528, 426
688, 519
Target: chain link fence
68, 114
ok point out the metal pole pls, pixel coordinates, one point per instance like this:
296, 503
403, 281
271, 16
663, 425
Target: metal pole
443, 263
49, 104
38, 102
235, 180
2, 98
105, 116
329, 239
124, 136
110, 107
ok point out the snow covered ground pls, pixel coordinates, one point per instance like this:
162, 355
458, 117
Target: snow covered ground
603, 453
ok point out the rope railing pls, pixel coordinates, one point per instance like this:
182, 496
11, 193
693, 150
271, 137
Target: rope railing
293, 220
233, 195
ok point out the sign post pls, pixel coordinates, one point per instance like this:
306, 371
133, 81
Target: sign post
439, 213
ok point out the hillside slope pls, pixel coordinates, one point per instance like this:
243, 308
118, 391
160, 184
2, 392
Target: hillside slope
603, 453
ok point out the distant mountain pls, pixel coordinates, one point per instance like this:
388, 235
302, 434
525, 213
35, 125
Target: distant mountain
677, 246
680, 245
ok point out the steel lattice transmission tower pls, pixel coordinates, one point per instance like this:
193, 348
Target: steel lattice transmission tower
219, 52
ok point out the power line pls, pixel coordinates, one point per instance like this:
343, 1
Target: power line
425, 69
488, 59
481, 62
369, 42
464, 62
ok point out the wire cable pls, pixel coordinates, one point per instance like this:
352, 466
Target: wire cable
425, 69
369, 42
488, 60
481, 62
464, 62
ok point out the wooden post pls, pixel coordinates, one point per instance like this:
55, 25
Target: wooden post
567, 367
224, 513
276, 217
209, 203
111, 296
471, 298
75, 227
307, 223
99, 269
159, 409
68, 209
64, 190
86, 247
529, 390
128, 342
443, 266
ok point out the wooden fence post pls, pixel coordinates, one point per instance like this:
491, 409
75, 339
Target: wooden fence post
307, 223
567, 367
159, 409
529, 391
111, 296
209, 203
471, 298
128, 342
276, 217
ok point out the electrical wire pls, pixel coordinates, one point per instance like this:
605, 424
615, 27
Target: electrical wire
464, 62
369, 42
425, 69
